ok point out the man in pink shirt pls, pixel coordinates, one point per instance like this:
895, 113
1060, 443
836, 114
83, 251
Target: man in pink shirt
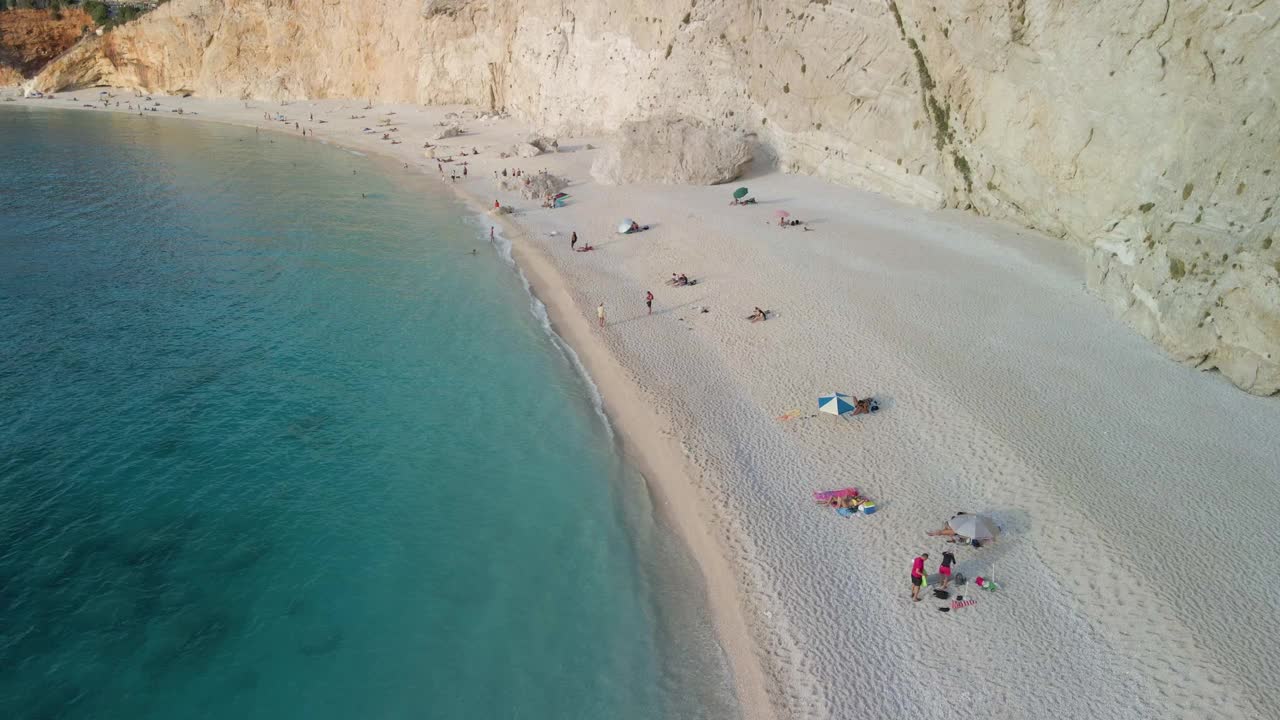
918, 575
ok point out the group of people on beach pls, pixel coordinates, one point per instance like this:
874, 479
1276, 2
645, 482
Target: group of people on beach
784, 223
985, 533
920, 577
852, 502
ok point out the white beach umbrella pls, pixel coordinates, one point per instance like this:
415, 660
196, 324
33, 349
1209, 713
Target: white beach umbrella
976, 527
625, 225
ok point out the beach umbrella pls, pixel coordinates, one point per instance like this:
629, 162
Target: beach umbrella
625, 225
835, 403
976, 527
781, 213
739, 193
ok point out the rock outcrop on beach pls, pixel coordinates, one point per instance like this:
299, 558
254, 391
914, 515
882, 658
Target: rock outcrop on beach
537, 186
524, 150
447, 131
543, 143
672, 150
1143, 130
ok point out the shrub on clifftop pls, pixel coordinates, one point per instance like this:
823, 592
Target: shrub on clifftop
98, 11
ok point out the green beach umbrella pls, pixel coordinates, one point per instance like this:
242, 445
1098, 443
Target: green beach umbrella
739, 193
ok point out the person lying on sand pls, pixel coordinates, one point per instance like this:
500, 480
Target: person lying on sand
951, 535
852, 502
863, 407
744, 201
759, 315
584, 248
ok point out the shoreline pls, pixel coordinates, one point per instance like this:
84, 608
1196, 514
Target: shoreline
647, 451
1007, 389
650, 450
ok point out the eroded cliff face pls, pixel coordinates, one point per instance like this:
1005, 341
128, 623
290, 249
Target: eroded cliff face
29, 39
1146, 130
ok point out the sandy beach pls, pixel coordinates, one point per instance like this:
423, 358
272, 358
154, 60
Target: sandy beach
1135, 493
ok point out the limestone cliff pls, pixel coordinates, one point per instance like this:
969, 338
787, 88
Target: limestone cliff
1146, 129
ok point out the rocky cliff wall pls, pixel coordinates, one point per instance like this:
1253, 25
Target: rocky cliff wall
29, 39
1146, 130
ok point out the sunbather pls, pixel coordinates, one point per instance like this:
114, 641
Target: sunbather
759, 315
864, 406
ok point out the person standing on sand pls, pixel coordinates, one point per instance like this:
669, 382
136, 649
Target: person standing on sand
918, 575
648, 300
600, 314
573, 240
948, 559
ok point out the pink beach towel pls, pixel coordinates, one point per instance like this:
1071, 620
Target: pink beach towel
830, 494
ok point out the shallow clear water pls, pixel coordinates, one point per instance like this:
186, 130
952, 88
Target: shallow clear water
269, 449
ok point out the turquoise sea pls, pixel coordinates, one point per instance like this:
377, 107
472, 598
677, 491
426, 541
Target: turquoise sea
269, 449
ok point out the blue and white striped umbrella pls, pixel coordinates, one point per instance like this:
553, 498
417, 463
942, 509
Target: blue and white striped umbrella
835, 403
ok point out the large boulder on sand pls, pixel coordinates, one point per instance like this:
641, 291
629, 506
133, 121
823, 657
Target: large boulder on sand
535, 187
524, 150
672, 150
535, 145
447, 131
543, 143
